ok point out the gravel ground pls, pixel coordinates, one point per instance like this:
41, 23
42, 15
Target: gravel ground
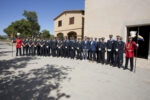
48, 78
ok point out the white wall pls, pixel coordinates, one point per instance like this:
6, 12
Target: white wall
104, 17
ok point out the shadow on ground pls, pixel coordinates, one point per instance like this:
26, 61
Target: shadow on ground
4, 53
37, 84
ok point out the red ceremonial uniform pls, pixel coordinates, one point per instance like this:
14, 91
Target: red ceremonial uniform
19, 43
129, 49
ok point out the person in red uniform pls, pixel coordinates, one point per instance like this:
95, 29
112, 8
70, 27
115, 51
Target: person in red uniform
129, 50
18, 46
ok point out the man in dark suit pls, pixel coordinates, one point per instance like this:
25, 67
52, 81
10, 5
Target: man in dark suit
30, 47
79, 49
59, 48
54, 47
35, 47
110, 50
92, 50
24, 46
85, 47
47, 47
66, 47
72, 48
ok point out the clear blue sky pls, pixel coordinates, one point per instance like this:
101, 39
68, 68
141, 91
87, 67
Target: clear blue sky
47, 10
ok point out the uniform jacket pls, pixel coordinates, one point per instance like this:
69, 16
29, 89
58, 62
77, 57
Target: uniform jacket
93, 46
129, 49
54, 44
66, 44
110, 45
72, 45
118, 46
85, 45
79, 46
101, 46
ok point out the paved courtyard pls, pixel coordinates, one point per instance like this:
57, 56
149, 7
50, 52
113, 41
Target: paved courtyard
48, 78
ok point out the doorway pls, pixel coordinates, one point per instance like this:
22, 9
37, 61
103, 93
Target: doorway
72, 34
143, 31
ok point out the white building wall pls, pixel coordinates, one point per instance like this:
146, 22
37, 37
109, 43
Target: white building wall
104, 17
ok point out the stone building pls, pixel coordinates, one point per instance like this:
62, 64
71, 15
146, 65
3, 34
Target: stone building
119, 17
69, 24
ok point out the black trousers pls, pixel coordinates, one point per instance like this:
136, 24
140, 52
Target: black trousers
92, 55
47, 51
79, 54
117, 61
110, 57
72, 53
59, 52
38, 50
101, 57
27, 50
42, 51
18, 50
30, 51
34, 50
24, 49
121, 59
66, 52
131, 63
54, 52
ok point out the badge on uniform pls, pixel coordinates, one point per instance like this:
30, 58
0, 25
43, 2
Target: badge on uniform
109, 50
116, 50
99, 49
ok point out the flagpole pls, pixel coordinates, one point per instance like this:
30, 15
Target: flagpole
136, 51
12, 43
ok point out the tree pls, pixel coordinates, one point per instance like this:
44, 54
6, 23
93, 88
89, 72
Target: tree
27, 27
45, 34
33, 20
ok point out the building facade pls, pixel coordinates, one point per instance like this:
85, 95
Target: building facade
119, 17
69, 24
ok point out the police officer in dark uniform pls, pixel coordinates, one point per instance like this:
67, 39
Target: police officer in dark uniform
79, 49
66, 47
93, 50
42, 44
101, 46
117, 53
50, 46
30, 47
89, 52
110, 50
54, 47
47, 47
38, 47
59, 48
72, 48
99, 50
27, 47
35, 47
24, 46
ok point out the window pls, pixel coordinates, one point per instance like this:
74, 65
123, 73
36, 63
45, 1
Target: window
60, 23
71, 21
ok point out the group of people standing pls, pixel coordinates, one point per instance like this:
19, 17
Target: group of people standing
87, 49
